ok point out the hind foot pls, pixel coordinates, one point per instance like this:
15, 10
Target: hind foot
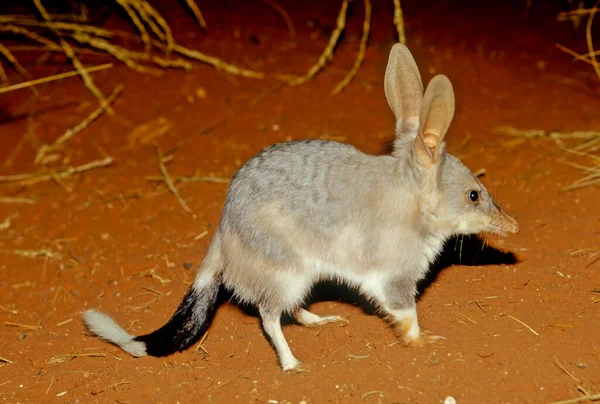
308, 319
298, 367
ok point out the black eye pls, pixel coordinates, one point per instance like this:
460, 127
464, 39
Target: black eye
473, 196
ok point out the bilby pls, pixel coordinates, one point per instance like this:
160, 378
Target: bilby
305, 211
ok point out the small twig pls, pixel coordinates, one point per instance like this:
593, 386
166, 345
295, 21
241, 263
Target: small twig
327, 54
169, 181
362, 50
6, 360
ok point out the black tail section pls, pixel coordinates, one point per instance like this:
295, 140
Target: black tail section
189, 323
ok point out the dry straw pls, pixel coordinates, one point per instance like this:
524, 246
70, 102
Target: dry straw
582, 145
59, 33
327, 54
362, 50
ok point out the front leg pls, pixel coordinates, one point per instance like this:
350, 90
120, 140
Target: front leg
406, 324
398, 301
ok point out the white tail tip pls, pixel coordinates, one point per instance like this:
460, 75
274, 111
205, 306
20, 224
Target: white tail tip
106, 328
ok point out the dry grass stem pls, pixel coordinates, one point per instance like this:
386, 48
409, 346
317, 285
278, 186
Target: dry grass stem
48, 44
370, 393
32, 178
63, 26
144, 17
576, 55
25, 326
468, 318
201, 345
138, 24
87, 79
169, 181
587, 148
284, 15
53, 78
191, 178
589, 57
119, 53
17, 199
217, 63
44, 149
593, 258
3, 76
327, 54
6, 360
115, 386
197, 13
587, 397
579, 11
64, 322
69, 357
51, 383
522, 323
590, 43
399, 21
201, 235
362, 50
561, 367
32, 253
155, 21
91, 118
13, 61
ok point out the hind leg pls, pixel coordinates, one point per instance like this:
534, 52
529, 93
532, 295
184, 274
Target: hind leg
271, 322
308, 319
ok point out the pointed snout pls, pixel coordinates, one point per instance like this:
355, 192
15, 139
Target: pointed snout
505, 224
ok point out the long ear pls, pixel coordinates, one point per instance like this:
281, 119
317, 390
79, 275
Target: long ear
404, 90
437, 112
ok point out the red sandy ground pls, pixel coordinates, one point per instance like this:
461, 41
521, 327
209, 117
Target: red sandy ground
116, 227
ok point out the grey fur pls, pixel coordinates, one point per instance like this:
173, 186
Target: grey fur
301, 212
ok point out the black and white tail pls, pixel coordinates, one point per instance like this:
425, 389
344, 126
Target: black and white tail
190, 321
